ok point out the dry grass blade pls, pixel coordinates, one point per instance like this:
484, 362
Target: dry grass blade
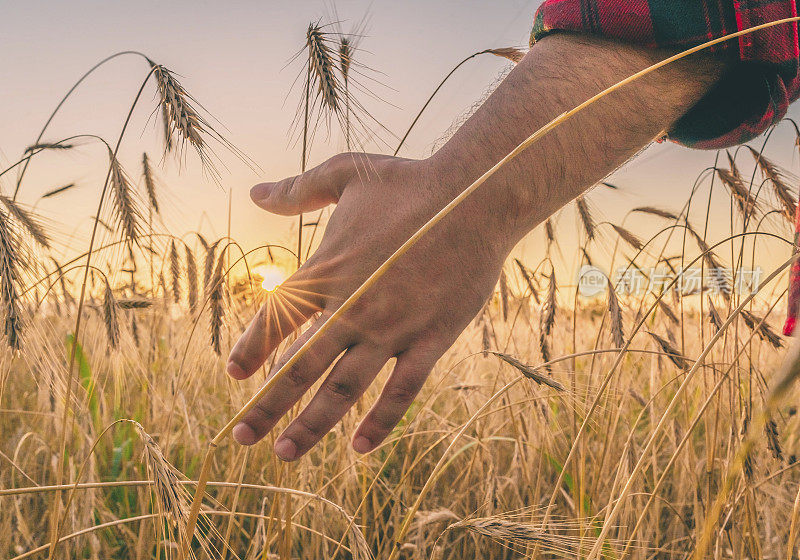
191, 278
782, 190
511, 53
175, 272
762, 329
27, 220
653, 211
738, 190
628, 237
671, 352
149, 183
585, 215
615, 312
530, 372
124, 205
110, 317
58, 190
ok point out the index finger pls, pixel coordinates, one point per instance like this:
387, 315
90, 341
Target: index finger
286, 310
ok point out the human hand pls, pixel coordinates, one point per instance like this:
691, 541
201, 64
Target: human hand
414, 312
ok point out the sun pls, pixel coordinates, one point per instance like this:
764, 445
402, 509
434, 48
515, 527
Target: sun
271, 275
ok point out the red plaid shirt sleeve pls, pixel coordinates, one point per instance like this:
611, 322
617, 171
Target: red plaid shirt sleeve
751, 97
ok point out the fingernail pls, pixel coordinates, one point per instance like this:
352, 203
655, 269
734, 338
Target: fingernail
235, 371
244, 434
362, 445
285, 449
260, 191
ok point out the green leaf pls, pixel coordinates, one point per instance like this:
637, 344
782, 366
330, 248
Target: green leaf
87, 381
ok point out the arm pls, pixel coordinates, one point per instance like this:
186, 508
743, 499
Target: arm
417, 310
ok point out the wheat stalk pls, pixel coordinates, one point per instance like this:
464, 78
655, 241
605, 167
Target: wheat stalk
191, 279
779, 184
149, 183
615, 312
528, 277
785, 378
762, 329
508, 53
124, 204
58, 190
27, 220
530, 372
208, 266
672, 353
504, 294
738, 190
175, 272
110, 317
587, 221
215, 304
628, 237
10, 265
654, 211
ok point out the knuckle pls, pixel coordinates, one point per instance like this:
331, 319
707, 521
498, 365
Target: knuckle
296, 374
311, 429
264, 413
403, 392
337, 163
343, 390
385, 422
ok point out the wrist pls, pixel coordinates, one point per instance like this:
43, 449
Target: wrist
502, 207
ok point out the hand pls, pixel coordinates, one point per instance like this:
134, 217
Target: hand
414, 312
424, 301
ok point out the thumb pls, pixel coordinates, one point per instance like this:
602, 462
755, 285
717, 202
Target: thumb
314, 189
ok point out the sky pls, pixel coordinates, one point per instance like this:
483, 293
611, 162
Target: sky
235, 59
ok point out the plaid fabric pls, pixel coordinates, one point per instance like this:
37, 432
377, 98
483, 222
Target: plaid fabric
751, 97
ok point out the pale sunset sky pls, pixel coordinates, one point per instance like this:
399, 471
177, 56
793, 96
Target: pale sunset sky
234, 57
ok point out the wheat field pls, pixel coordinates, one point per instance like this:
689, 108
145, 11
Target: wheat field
652, 423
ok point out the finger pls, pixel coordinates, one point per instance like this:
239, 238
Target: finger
346, 382
285, 310
312, 190
409, 374
292, 385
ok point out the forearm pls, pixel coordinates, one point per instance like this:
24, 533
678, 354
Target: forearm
559, 73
